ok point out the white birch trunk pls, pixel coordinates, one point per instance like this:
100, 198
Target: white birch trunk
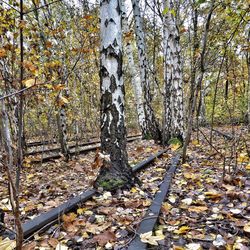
151, 122
62, 131
116, 171
136, 82
174, 118
6, 135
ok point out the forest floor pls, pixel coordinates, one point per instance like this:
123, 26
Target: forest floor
206, 208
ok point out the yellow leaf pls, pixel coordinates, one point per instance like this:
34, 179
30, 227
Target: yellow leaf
212, 195
30, 82
178, 248
7, 244
62, 100
186, 165
187, 175
85, 235
182, 230
48, 86
195, 142
197, 209
133, 190
29, 176
248, 166
150, 238
80, 211
166, 207
243, 157
247, 227
69, 218
159, 233
176, 146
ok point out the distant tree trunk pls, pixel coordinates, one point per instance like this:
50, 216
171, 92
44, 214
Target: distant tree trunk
197, 83
174, 123
152, 125
62, 130
115, 171
202, 120
248, 82
227, 80
136, 82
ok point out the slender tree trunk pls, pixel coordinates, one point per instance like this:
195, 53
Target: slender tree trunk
62, 131
115, 171
152, 125
174, 123
248, 81
8, 161
136, 82
198, 83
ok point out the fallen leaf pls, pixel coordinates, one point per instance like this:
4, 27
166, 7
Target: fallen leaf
187, 201
212, 195
53, 242
30, 82
61, 246
104, 238
29, 246
182, 230
219, 241
193, 246
197, 209
7, 244
150, 238
69, 218
247, 227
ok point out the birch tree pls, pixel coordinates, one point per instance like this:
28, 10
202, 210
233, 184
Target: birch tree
136, 82
152, 126
115, 171
173, 100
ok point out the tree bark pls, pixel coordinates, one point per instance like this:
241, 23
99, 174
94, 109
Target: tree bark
115, 171
174, 123
248, 82
136, 82
152, 124
62, 131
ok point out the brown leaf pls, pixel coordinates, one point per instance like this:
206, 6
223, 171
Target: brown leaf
29, 246
105, 237
78, 168
69, 218
53, 242
98, 162
197, 209
106, 210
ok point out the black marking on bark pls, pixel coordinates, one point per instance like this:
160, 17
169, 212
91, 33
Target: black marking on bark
104, 72
119, 67
113, 85
115, 42
106, 23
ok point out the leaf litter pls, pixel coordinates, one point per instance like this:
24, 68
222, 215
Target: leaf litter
109, 220
205, 210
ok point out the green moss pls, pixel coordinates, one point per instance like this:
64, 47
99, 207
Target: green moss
147, 137
174, 141
111, 184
